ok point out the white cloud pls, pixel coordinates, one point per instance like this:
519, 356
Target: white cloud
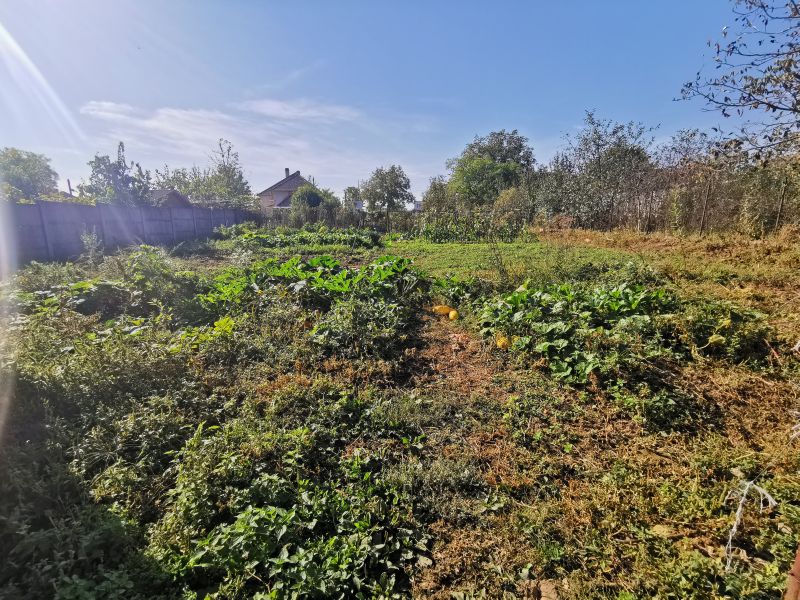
336, 144
299, 110
107, 110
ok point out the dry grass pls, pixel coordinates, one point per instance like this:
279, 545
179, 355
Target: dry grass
763, 273
623, 509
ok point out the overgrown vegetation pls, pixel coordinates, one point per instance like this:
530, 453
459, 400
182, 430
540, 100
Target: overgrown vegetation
249, 236
277, 426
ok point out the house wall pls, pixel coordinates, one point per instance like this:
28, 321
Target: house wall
273, 198
267, 201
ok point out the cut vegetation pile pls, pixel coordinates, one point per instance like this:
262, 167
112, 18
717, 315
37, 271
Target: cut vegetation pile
279, 426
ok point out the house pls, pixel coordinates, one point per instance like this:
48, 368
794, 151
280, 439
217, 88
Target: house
279, 195
169, 199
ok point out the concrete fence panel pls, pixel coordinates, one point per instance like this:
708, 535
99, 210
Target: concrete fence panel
202, 218
121, 226
53, 230
183, 224
28, 234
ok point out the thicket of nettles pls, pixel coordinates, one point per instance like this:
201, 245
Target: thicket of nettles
179, 435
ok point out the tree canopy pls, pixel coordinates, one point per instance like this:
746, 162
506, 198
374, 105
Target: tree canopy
387, 190
757, 69
117, 181
501, 147
26, 175
221, 184
488, 165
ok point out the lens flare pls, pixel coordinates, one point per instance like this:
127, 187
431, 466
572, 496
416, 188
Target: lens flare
25, 80
22, 82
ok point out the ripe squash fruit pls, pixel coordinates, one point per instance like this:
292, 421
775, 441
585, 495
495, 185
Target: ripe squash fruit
442, 309
453, 315
502, 342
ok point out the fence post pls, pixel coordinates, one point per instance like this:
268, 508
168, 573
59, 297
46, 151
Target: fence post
144, 229
102, 212
172, 225
705, 207
47, 238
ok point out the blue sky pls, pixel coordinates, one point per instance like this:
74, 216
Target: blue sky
336, 89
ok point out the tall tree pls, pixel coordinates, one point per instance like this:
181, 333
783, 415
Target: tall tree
227, 177
436, 199
117, 180
490, 164
220, 185
25, 175
757, 68
387, 190
352, 197
501, 147
478, 180
608, 162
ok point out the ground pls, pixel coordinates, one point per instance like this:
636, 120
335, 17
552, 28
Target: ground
396, 441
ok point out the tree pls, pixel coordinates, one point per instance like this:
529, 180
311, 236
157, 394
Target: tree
437, 200
758, 69
602, 171
687, 170
310, 204
25, 175
501, 147
478, 180
189, 182
387, 190
117, 181
307, 196
227, 178
221, 185
489, 165
352, 197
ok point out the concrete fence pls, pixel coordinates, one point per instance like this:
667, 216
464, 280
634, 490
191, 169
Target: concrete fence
52, 230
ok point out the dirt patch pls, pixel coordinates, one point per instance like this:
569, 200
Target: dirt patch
487, 558
452, 359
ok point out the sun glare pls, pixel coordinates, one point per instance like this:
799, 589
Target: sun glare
26, 83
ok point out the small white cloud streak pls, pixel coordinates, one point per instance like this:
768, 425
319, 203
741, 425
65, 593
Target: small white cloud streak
292, 77
299, 110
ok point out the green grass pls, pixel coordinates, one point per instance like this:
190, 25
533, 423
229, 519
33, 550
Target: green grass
521, 259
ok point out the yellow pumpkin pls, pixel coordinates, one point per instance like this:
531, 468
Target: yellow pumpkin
453, 315
502, 342
442, 309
